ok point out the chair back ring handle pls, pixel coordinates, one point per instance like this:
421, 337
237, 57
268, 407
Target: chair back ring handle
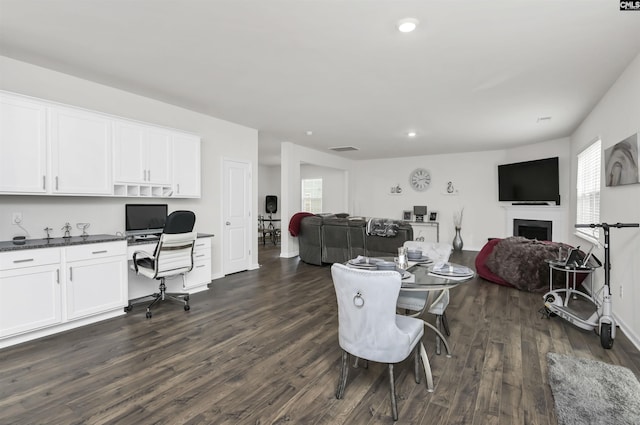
358, 301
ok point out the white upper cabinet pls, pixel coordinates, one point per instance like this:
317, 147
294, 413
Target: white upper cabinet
141, 154
158, 156
129, 153
23, 145
186, 166
51, 149
80, 152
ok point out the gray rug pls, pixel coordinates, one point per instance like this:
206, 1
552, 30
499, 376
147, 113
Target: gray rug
592, 392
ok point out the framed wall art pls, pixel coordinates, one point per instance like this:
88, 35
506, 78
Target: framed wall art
621, 162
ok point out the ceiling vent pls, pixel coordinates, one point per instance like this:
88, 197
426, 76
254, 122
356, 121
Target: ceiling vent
344, 148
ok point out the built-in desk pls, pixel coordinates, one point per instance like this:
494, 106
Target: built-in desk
52, 285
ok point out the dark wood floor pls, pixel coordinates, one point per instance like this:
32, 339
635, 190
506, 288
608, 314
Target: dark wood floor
261, 347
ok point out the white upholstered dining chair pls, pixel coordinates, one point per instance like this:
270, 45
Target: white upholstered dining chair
413, 302
370, 329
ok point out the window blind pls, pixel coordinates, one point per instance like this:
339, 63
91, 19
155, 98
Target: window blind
588, 187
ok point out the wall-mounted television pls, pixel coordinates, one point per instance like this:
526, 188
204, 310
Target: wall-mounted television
144, 219
535, 182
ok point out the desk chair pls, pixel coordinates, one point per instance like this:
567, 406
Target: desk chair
173, 256
370, 329
415, 301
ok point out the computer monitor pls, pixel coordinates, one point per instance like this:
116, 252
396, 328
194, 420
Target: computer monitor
144, 219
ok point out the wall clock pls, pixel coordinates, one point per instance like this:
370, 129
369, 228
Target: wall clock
420, 179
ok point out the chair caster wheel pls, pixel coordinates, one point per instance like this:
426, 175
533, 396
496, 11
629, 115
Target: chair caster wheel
187, 307
148, 315
186, 298
128, 308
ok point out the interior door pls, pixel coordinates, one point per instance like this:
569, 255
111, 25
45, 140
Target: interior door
236, 216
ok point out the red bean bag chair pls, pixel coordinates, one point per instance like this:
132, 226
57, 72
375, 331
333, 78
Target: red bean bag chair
481, 267
522, 263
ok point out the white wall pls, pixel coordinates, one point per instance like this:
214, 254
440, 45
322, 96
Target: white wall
106, 215
293, 156
474, 176
333, 187
475, 179
268, 184
616, 117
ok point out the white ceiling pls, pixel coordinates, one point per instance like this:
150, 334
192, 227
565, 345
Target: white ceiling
476, 75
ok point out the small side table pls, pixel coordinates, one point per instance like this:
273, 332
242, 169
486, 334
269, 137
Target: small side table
571, 273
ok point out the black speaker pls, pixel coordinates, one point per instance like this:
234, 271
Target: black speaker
271, 204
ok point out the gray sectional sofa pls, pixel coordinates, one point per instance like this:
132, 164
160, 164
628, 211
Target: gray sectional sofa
332, 238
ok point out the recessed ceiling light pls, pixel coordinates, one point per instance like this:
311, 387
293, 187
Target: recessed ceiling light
412, 134
309, 132
407, 24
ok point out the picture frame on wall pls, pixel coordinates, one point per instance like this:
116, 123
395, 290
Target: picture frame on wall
433, 216
621, 162
406, 215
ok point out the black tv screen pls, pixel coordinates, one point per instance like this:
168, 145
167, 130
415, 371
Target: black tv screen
529, 181
145, 218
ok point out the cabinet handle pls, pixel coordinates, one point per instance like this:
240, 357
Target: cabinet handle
178, 185
201, 255
149, 175
26, 260
201, 265
56, 182
70, 274
44, 182
100, 252
58, 276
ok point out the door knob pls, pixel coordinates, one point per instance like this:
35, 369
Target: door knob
228, 223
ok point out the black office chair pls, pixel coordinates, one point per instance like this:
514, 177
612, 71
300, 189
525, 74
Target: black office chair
173, 256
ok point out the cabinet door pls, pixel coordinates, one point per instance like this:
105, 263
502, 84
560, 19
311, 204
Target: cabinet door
158, 156
96, 286
30, 298
186, 166
201, 272
129, 157
23, 149
81, 152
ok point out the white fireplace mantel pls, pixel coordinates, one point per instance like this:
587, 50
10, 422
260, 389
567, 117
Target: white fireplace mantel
556, 214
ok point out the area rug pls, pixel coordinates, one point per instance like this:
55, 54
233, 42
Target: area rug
592, 392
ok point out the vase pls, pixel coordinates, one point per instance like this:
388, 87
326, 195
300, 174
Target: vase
457, 241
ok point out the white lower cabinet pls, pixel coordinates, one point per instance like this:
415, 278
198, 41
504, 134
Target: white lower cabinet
44, 291
96, 278
29, 299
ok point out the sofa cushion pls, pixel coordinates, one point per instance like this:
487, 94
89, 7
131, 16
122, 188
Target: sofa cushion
335, 240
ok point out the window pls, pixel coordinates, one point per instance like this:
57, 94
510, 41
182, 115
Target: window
312, 195
588, 188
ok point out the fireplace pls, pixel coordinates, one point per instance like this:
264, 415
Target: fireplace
556, 215
541, 230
